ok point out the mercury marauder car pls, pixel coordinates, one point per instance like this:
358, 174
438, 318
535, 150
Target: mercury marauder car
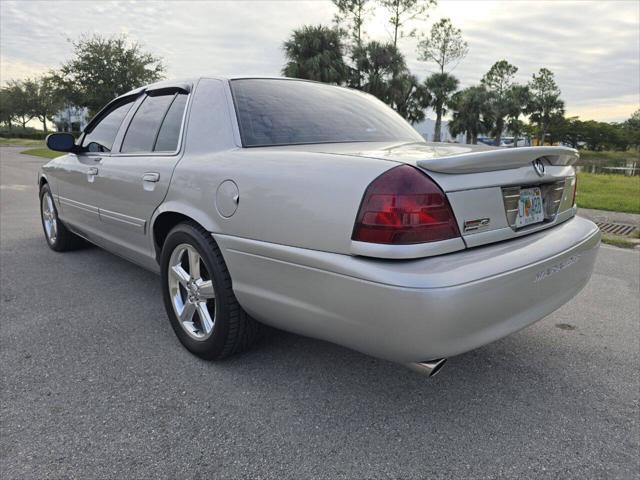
318, 210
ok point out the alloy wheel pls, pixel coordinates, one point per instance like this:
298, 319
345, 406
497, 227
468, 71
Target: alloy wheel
49, 218
192, 293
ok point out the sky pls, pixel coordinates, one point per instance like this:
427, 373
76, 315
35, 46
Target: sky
593, 47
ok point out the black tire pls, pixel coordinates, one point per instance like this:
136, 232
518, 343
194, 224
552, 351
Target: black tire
64, 239
233, 329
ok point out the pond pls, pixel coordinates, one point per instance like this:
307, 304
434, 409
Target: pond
629, 167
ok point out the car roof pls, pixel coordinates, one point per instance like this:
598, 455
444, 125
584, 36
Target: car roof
187, 83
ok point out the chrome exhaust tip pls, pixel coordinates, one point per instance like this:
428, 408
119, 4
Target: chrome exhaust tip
429, 369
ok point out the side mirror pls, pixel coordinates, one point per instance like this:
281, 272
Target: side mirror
61, 142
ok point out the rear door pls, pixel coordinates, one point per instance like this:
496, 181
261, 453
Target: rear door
133, 182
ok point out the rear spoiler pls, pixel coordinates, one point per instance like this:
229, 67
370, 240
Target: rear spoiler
500, 159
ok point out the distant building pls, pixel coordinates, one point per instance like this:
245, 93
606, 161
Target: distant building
71, 119
427, 128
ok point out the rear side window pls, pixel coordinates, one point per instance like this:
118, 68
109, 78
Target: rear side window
170, 130
143, 129
102, 135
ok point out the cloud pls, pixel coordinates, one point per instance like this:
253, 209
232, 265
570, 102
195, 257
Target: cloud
592, 46
16, 69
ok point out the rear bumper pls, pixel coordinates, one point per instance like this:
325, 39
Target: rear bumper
413, 310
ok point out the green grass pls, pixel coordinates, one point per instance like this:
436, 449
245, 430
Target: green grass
618, 241
21, 142
617, 193
41, 152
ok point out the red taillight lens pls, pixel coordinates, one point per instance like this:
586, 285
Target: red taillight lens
404, 206
575, 189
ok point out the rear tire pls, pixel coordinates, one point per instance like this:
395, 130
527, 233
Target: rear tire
198, 296
58, 236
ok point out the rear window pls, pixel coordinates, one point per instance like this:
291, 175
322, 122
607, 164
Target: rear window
289, 112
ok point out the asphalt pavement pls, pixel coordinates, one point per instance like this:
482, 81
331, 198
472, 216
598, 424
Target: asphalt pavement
94, 383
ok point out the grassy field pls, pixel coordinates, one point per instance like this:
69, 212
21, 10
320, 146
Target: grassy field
21, 142
616, 193
42, 152
608, 155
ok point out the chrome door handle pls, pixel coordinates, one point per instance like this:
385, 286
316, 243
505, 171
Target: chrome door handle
92, 171
151, 177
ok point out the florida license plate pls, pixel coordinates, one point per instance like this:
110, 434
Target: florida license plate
529, 207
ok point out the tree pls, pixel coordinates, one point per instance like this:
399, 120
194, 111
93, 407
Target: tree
351, 16
632, 129
409, 97
316, 53
45, 101
498, 82
517, 127
518, 99
103, 68
21, 94
7, 108
544, 102
403, 11
441, 87
470, 115
444, 45
383, 73
378, 64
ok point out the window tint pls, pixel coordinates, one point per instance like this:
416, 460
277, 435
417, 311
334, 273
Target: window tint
289, 112
142, 131
170, 130
101, 137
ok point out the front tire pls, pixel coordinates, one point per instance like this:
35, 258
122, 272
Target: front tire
58, 236
198, 296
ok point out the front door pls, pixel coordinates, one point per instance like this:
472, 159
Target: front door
78, 172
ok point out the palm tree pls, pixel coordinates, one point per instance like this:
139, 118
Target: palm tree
518, 100
498, 81
409, 97
316, 53
470, 115
545, 103
441, 86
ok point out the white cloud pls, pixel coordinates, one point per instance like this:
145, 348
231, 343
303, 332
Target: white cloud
592, 46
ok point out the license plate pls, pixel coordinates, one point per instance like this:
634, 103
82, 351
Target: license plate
529, 207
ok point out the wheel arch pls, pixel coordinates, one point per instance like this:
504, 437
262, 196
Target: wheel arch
166, 218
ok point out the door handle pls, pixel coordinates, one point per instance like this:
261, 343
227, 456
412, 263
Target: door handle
151, 177
92, 171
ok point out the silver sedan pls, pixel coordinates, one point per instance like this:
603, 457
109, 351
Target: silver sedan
318, 210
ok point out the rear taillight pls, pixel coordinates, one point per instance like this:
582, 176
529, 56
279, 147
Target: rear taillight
575, 189
404, 206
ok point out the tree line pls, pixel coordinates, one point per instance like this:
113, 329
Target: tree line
340, 54
100, 69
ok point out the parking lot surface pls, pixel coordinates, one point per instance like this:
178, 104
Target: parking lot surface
94, 383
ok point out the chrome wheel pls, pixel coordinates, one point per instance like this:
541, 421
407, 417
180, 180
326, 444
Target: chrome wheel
49, 218
191, 290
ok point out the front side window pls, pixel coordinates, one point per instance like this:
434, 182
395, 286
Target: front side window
289, 112
101, 136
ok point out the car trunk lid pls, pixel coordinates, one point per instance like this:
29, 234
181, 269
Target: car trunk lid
483, 184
